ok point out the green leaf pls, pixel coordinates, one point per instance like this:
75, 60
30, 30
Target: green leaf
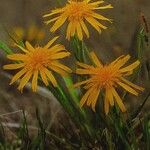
146, 128
140, 44
80, 51
73, 92
5, 48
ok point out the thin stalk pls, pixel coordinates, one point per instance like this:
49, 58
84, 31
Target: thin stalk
118, 123
140, 107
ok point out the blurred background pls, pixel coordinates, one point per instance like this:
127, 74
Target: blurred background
23, 18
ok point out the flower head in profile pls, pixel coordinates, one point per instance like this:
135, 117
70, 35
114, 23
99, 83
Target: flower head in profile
77, 13
38, 61
107, 78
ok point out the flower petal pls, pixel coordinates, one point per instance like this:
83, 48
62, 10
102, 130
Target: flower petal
51, 42
79, 31
119, 62
132, 85
63, 67
130, 67
95, 59
83, 65
44, 77
105, 7
81, 83
18, 75
106, 105
68, 35
94, 23
60, 55
51, 20
53, 12
85, 97
24, 80
23, 49
95, 99
17, 57
85, 29
29, 46
58, 70
110, 96
34, 81
51, 77
98, 16
118, 100
13, 66
58, 23
128, 88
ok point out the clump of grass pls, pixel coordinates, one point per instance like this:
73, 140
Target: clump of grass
96, 131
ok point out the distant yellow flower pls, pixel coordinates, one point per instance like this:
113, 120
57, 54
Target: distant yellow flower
32, 34
106, 78
19, 31
76, 12
38, 60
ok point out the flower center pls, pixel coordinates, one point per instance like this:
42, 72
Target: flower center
107, 76
38, 59
77, 10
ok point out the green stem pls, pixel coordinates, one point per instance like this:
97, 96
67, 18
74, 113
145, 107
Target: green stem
80, 50
74, 111
119, 126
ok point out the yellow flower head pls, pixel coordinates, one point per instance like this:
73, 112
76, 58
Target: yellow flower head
38, 60
31, 34
107, 78
76, 13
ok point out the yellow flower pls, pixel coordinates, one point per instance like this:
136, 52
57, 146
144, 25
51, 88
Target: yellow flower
19, 31
32, 34
106, 78
76, 13
38, 60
